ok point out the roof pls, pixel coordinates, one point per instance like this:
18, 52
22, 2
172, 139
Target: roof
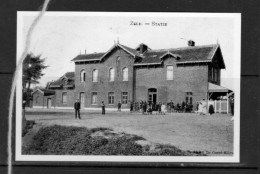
45, 92
189, 54
186, 54
84, 57
68, 79
217, 88
70, 75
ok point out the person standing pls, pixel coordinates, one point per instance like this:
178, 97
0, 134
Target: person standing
159, 107
144, 107
163, 109
232, 105
77, 109
103, 108
171, 106
131, 107
119, 106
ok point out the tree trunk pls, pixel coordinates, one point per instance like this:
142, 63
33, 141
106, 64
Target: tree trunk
23, 119
28, 94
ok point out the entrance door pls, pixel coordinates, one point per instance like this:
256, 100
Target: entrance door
152, 95
82, 99
48, 103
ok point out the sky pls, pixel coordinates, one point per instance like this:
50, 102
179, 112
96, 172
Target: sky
59, 37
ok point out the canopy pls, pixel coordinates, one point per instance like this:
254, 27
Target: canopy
217, 88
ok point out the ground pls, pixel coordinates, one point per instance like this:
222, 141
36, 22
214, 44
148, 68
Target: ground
187, 131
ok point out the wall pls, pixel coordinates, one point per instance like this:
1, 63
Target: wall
188, 78
103, 86
58, 98
38, 103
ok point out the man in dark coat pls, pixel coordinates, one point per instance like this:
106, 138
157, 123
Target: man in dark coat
119, 106
77, 109
103, 108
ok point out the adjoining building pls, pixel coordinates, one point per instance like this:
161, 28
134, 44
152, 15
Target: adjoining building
57, 94
125, 74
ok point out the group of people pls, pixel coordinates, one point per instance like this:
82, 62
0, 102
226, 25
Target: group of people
183, 107
159, 108
148, 107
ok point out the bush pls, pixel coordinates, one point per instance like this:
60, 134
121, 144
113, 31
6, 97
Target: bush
29, 124
62, 140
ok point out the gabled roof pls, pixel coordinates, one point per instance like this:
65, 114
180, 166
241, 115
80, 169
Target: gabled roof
45, 92
70, 75
66, 80
189, 54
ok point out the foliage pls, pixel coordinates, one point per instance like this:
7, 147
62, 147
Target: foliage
29, 124
62, 140
32, 70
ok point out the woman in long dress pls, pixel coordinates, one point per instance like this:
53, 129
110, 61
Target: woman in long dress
203, 107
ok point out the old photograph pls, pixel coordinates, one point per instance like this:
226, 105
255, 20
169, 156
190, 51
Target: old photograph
129, 87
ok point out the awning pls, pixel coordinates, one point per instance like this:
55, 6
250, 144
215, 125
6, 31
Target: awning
217, 88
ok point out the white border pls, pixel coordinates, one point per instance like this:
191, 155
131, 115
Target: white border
208, 159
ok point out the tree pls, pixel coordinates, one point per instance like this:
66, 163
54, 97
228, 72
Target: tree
32, 72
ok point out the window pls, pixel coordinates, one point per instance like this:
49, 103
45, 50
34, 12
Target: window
111, 98
125, 74
117, 66
169, 74
82, 76
82, 98
95, 75
111, 74
124, 97
94, 98
216, 75
64, 98
188, 97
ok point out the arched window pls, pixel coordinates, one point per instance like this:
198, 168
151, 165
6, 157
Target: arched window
95, 75
111, 74
125, 74
169, 74
82, 76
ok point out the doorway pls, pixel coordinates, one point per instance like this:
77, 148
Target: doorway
49, 103
152, 95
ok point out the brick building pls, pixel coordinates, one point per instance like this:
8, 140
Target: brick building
59, 93
126, 74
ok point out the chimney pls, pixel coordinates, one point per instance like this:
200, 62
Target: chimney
191, 43
143, 48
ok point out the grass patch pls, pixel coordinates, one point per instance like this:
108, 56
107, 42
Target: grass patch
62, 140
27, 127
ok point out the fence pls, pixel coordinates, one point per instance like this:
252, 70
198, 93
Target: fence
220, 106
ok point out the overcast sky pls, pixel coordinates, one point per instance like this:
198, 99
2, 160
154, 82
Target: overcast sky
59, 37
